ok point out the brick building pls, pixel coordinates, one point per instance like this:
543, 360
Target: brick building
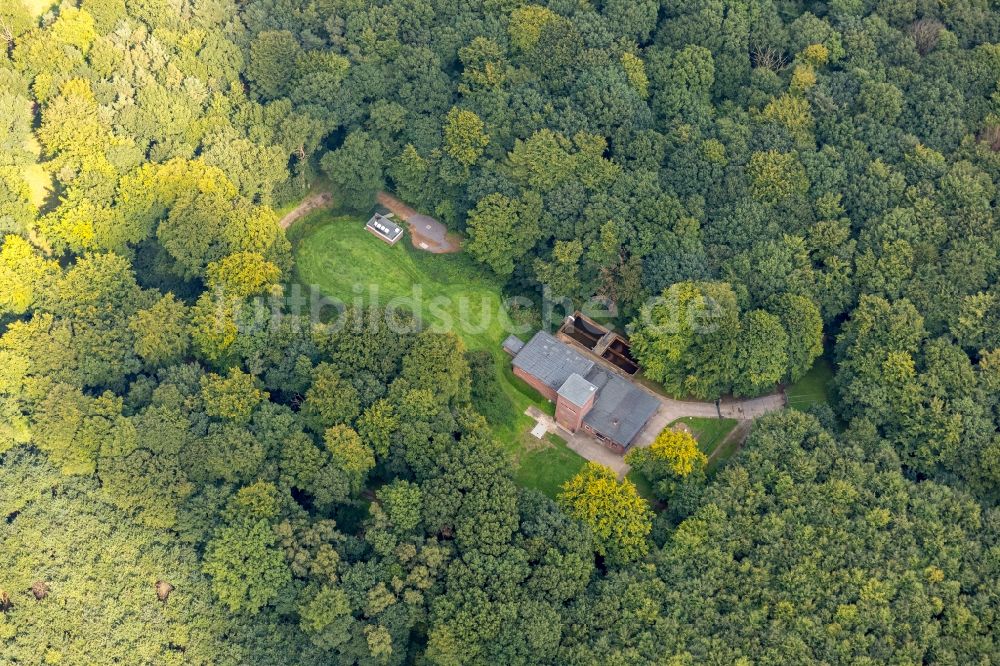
588, 396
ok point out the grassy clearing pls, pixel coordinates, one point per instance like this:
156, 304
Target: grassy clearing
39, 180
38, 7
448, 292
723, 452
39, 184
813, 388
547, 464
709, 432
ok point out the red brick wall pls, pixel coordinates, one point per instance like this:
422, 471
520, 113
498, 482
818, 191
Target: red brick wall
536, 384
614, 446
561, 411
568, 415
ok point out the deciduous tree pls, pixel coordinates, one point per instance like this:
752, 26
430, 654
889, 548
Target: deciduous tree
619, 518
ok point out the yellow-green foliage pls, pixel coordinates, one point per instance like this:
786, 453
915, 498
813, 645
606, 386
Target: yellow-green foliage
526, 25
161, 333
547, 159
464, 137
803, 78
635, 71
14, 428
349, 453
776, 176
816, 55
619, 518
242, 274
74, 27
233, 397
792, 112
714, 151
678, 451
71, 121
213, 327
24, 274
100, 571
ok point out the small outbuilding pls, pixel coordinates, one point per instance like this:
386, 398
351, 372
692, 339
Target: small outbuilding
513, 344
384, 228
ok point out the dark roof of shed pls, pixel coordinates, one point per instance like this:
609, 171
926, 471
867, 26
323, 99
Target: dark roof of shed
513, 344
621, 408
551, 361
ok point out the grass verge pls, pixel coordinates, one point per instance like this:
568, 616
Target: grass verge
644, 488
710, 433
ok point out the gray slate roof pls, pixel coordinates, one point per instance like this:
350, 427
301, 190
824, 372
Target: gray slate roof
577, 390
513, 344
621, 408
551, 361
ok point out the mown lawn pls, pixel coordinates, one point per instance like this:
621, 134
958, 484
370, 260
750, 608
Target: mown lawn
448, 292
708, 432
813, 388
547, 464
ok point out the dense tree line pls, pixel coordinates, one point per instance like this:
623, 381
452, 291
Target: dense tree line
185, 481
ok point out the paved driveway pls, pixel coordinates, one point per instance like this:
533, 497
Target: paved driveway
670, 410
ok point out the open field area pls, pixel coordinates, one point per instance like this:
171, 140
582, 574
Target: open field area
813, 388
546, 464
38, 179
708, 432
39, 184
448, 292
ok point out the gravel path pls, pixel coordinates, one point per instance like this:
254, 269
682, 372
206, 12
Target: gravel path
426, 233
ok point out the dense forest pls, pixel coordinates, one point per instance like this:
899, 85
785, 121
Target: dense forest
185, 482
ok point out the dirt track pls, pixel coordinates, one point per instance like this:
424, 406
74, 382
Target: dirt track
426, 233
309, 204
